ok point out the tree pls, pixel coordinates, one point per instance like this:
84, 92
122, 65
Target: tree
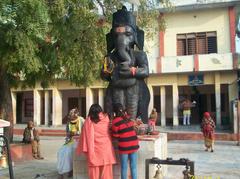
43, 40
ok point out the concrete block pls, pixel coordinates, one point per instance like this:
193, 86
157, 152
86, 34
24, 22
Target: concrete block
150, 146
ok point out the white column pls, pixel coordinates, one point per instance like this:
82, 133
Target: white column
101, 97
46, 107
163, 105
89, 99
36, 107
150, 106
14, 106
175, 104
218, 98
57, 107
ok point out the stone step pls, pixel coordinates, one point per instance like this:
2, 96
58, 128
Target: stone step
172, 135
199, 136
43, 132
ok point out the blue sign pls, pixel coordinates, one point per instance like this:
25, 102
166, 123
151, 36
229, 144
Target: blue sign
195, 80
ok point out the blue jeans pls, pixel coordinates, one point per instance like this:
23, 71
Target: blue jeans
124, 165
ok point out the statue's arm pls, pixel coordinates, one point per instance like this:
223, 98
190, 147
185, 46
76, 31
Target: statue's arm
142, 70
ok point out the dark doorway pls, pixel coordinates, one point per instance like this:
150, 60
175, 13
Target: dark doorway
19, 108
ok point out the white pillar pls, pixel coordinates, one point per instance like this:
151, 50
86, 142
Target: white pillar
57, 107
101, 97
175, 104
218, 98
89, 99
14, 106
36, 107
46, 107
163, 105
150, 106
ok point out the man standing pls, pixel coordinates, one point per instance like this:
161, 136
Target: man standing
30, 135
186, 105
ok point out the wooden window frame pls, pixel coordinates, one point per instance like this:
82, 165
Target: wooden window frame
195, 35
28, 107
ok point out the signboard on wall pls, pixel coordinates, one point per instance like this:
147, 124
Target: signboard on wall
195, 80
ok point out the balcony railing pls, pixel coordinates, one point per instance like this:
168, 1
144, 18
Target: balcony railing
190, 63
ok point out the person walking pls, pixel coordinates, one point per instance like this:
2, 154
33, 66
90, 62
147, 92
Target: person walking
208, 126
95, 142
128, 144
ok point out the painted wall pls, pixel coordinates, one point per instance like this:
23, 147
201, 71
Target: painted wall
151, 47
227, 77
197, 21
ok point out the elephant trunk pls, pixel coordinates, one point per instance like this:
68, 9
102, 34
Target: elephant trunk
123, 50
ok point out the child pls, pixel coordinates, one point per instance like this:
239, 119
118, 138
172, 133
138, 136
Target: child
123, 130
152, 120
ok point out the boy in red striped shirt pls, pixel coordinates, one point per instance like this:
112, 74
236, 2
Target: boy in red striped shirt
123, 130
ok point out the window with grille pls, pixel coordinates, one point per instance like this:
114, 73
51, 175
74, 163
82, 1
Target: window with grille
196, 43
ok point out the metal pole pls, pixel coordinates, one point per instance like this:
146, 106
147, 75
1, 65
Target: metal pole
147, 162
238, 121
8, 157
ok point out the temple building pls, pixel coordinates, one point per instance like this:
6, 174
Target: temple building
194, 57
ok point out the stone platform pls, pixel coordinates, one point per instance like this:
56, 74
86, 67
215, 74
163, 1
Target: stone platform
150, 146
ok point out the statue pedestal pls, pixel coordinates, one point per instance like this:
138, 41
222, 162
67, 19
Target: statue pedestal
150, 146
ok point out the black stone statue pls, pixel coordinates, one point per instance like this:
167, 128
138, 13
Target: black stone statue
126, 68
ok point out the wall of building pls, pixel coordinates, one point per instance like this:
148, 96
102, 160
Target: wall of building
227, 77
151, 47
197, 21
66, 94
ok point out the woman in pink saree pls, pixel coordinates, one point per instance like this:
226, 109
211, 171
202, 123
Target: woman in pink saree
95, 142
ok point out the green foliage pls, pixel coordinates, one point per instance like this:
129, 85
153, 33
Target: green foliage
42, 40
22, 25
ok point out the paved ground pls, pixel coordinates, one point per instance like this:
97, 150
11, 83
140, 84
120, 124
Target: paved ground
224, 163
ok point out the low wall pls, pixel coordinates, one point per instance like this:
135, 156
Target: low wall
21, 152
150, 146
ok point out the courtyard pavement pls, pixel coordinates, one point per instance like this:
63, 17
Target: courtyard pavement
223, 163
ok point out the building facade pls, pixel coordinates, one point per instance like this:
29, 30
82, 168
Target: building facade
195, 57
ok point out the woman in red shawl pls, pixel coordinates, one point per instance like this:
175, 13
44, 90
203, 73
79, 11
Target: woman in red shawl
208, 126
95, 142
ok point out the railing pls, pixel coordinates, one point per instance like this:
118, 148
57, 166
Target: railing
198, 62
5, 151
187, 173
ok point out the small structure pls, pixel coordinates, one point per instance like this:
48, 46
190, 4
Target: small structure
150, 146
5, 155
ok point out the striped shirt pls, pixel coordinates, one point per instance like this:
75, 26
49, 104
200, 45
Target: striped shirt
127, 137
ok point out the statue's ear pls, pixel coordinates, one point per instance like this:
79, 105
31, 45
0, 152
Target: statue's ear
140, 39
110, 42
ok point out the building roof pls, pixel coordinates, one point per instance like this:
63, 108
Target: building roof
191, 5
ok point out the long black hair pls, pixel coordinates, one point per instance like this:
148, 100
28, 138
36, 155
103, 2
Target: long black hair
120, 112
94, 111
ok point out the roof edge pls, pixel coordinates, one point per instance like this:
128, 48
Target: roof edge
193, 7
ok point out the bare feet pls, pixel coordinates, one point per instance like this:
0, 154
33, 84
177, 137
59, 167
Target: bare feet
40, 158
